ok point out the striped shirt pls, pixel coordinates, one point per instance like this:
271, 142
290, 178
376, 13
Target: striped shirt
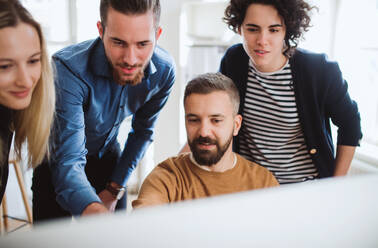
271, 134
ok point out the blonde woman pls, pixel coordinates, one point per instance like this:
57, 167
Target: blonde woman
27, 95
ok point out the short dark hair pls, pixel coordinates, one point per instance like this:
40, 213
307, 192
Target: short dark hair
210, 82
130, 7
295, 14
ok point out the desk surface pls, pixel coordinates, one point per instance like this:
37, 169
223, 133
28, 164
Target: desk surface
337, 212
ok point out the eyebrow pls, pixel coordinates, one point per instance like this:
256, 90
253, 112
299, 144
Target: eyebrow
124, 42
10, 60
116, 39
218, 115
190, 115
214, 115
270, 26
5, 60
35, 54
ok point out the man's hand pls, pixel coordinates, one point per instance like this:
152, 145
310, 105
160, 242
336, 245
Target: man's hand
108, 200
95, 208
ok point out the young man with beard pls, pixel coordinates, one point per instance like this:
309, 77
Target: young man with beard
211, 103
99, 83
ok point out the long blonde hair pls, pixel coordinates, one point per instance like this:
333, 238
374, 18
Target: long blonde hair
32, 124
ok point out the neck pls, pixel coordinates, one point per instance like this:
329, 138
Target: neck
278, 65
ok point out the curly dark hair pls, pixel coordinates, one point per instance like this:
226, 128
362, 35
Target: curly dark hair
295, 14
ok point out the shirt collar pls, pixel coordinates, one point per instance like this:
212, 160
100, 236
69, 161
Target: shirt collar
101, 66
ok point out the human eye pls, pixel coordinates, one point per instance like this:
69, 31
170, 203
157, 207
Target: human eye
143, 44
251, 29
34, 61
192, 120
118, 43
4, 67
274, 30
217, 120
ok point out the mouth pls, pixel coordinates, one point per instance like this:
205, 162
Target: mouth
128, 69
20, 94
261, 52
206, 145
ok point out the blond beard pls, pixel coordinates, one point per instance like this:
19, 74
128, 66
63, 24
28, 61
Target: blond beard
136, 80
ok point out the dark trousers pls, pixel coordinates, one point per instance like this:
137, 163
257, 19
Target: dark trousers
98, 171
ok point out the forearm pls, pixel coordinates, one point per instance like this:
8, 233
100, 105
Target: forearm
344, 156
142, 133
133, 152
149, 196
75, 198
95, 208
74, 191
156, 188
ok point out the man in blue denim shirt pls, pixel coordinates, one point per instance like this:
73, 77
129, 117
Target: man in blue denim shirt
99, 83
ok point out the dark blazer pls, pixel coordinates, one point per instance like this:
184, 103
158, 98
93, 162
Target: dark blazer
6, 140
321, 95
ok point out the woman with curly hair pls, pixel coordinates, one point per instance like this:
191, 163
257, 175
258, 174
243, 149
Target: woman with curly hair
288, 95
27, 95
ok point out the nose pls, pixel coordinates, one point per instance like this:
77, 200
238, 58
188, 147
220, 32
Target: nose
205, 129
130, 55
24, 77
262, 38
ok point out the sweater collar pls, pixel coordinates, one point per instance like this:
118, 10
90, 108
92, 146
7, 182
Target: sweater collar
206, 168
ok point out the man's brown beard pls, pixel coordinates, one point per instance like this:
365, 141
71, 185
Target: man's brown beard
208, 158
136, 80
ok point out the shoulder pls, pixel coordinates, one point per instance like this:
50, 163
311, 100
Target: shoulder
252, 166
169, 172
76, 57
311, 59
235, 51
315, 69
76, 51
234, 64
164, 67
258, 174
6, 116
162, 59
175, 164
77, 65
5, 130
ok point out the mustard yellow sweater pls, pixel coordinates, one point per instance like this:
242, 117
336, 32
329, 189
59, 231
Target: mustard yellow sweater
178, 179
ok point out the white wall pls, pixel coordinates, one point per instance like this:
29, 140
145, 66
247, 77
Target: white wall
167, 132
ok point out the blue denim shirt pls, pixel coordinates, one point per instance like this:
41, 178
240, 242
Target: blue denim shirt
90, 108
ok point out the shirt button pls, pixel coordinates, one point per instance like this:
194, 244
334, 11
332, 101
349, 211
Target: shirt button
313, 151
